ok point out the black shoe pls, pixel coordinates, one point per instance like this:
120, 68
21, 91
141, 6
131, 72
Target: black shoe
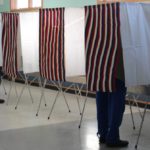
101, 140
2, 101
120, 143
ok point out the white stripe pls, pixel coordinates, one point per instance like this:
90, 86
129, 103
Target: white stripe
50, 43
110, 44
9, 51
46, 42
103, 49
62, 46
100, 39
14, 20
54, 49
57, 68
92, 48
87, 43
43, 49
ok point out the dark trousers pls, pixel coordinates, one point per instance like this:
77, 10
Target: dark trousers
110, 109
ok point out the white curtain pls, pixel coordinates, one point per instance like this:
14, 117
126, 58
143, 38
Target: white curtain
1, 57
29, 26
135, 34
74, 42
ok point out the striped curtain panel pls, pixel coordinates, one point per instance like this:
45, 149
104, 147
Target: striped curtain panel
9, 43
103, 46
51, 53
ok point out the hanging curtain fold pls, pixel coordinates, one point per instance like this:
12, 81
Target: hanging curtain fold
74, 42
103, 46
29, 31
135, 34
9, 43
51, 53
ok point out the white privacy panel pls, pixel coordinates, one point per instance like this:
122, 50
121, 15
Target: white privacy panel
29, 26
74, 42
135, 34
1, 57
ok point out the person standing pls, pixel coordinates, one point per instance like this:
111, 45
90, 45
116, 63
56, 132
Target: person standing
110, 110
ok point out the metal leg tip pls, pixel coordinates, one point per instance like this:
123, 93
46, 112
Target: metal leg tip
79, 127
135, 146
134, 128
15, 108
48, 118
69, 111
36, 115
45, 105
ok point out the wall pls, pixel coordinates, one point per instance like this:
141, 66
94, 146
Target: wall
5, 6
67, 3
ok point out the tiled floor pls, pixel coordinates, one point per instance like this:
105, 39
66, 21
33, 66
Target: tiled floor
21, 130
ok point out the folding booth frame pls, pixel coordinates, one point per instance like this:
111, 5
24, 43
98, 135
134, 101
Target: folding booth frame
133, 99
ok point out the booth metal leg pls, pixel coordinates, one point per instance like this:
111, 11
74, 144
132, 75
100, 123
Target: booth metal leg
53, 105
141, 125
9, 92
11, 85
60, 91
2, 82
42, 95
83, 110
132, 115
26, 85
77, 97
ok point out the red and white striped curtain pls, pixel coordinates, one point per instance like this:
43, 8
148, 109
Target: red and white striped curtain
103, 45
9, 43
52, 44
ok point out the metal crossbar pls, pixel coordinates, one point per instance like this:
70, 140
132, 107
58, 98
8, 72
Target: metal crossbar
26, 85
83, 110
60, 91
132, 101
12, 82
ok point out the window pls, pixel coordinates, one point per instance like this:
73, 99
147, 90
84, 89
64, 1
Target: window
22, 4
36, 3
25, 4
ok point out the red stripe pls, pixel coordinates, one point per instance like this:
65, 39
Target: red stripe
109, 78
49, 32
44, 44
52, 44
53, 66
9, 43
104, 62
98, 41
62, 51
97, 65
94, 44
87, 34
61, 45
100, 61
110, 63
56, 57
